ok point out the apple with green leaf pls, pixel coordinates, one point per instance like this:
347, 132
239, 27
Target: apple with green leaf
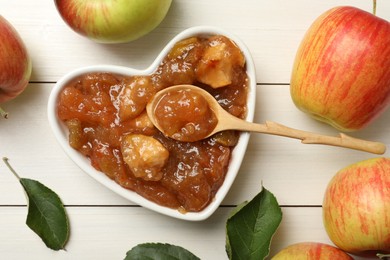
311, 251
15, 63
341, 73
113, 21
356, 207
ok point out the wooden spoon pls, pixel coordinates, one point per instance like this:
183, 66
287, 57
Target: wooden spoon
227, 121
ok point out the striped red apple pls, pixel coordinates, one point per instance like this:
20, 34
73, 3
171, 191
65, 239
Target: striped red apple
311, 251
341, 73
356, 207
15, 63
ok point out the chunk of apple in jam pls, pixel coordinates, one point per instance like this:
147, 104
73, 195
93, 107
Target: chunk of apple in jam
220, 57
144, 155
134, 96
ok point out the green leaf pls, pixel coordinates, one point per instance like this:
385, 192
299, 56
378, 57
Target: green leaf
250, 229
46, 214
159, 251
237, 209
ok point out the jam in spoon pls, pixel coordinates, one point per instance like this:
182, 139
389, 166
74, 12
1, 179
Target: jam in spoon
188, 113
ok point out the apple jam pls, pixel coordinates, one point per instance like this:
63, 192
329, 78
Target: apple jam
185, 115
107, 121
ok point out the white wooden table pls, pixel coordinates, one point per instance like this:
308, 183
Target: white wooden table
106, 226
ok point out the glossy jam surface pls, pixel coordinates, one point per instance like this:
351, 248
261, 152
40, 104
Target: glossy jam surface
185, 115
107, 121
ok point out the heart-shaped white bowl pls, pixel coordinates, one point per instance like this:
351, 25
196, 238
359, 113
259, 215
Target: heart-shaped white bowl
61, 131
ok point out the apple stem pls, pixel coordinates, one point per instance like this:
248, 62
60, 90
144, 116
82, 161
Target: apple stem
374, 7
383, 256
3, 114
5, 160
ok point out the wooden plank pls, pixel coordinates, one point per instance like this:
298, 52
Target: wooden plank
109, 232
296, 173
271, 29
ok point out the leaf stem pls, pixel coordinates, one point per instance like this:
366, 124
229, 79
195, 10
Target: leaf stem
383, 256
5, 160
3, 114
374, 7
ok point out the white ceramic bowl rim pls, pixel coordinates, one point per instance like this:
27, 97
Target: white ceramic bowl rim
61, 133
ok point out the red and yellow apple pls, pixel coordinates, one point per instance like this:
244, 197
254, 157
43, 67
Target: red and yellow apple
356, 207
311, 251
113, 21
341, 72
15, 63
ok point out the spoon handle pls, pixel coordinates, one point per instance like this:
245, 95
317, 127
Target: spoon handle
342, 140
